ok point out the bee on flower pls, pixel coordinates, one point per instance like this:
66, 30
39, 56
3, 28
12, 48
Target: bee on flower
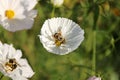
12, 65
17, 14
61, 35
57, 3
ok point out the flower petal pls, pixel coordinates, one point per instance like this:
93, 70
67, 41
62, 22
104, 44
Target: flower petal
25, 69
15, 25
18, 78
29, 4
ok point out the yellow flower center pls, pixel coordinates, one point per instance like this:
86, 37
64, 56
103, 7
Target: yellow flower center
11, 65
9, 14
58, 39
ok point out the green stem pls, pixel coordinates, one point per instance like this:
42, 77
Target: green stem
94, 54
1, 77
53, 12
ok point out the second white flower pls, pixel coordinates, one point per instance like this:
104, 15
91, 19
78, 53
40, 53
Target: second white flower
61, 35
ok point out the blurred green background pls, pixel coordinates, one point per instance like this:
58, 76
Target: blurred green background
102, 16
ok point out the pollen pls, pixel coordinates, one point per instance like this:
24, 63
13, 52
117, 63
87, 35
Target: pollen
9, 14
11, 65
58, 39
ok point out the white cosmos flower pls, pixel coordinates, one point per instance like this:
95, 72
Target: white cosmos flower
57, 3
94, 78
61, 35
17, 14
12, 65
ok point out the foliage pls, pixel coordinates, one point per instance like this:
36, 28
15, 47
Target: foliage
102, 16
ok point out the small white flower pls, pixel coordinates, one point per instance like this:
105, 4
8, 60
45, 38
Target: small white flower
12, 65
94, 78
17, 14
61, 35
57, 3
